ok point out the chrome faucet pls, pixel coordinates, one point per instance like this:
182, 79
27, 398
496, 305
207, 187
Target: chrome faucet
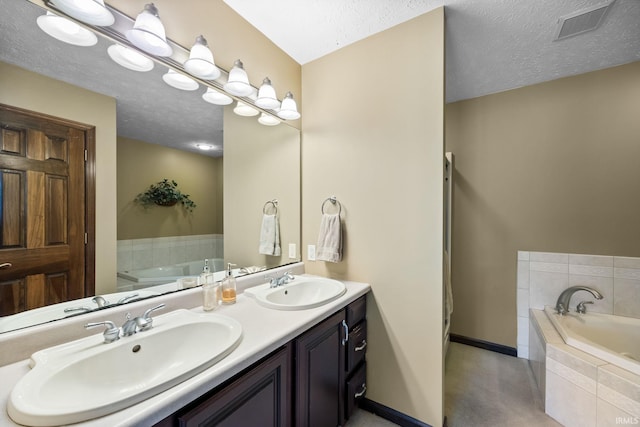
562, 304
111, 334
276, 281
140, 323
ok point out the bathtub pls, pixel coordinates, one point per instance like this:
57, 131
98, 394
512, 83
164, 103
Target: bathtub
614, 339
170, 273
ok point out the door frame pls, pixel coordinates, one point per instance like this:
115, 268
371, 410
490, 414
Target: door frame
89, 189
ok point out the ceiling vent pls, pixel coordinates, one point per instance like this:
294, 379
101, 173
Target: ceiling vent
582, 21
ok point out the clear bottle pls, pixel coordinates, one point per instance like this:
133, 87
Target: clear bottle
211, 294
229, 287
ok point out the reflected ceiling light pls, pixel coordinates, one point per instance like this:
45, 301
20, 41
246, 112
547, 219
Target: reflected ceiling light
65, 30
148, 33
129, 58
92, 12
214, 97
238, 81
243, 109
205, 147
268, 120
288, 109
200, 62
267, 98
179, 81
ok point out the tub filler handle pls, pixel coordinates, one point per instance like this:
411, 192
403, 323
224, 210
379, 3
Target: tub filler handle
580, 308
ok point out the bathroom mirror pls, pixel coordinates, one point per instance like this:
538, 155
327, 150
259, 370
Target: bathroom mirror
247, 171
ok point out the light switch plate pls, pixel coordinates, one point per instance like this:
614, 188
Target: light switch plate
311, 252
292, 251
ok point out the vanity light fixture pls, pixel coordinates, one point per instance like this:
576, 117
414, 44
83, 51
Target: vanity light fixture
129, 58
148, 33
245, 110
267, 98
289, 109
212, 96
200, 62
238, 81
92, 12
268, 120
66, 30
179, 81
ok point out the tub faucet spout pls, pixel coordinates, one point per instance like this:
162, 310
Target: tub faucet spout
562, 304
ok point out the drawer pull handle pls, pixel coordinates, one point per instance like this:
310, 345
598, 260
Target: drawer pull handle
362, 392
346, 333
362, 346
6, 265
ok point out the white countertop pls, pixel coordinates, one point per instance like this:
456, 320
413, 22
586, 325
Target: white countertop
263, 331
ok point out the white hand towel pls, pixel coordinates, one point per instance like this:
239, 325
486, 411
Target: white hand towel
270, 236
329, 246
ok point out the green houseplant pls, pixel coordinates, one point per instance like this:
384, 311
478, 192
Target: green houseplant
165, 193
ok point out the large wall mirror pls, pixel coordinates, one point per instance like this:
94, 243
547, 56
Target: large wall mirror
251, 169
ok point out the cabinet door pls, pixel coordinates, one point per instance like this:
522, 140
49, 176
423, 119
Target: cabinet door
261, 397
320, 358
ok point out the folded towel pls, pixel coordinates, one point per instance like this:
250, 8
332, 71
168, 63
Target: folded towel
329, 246
270, 236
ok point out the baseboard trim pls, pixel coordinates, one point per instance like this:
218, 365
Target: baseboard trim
390, 414
498, 348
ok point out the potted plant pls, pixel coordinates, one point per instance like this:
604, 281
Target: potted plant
165, 193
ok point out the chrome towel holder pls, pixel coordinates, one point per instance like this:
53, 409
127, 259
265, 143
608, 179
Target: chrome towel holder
273, 203
334, 201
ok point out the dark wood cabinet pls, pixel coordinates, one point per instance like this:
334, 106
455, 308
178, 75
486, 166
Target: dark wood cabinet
260, 396
320, 374
313, 381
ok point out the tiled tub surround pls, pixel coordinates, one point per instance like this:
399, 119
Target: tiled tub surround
139, 254
579, 389
542, 276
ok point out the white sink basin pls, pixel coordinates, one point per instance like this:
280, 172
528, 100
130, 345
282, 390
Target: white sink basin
299, 294
87, 378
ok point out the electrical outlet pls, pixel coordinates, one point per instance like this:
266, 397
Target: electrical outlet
292, 251
311, 252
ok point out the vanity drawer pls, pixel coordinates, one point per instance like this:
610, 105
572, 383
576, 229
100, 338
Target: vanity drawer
356, 388
356, 311
357, 345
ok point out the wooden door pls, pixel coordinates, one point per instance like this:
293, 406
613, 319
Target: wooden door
42, 210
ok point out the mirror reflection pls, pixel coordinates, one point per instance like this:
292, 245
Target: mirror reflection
159, 132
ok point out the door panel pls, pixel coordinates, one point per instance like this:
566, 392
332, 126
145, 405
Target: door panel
43, 211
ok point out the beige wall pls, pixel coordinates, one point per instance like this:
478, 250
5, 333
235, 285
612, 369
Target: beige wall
141, 164
373, 137
552, 168
260, 163
24, 89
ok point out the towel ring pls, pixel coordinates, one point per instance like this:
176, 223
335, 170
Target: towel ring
273, 202
334, 202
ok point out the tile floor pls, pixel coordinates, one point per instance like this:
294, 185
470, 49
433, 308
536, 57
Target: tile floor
482, 389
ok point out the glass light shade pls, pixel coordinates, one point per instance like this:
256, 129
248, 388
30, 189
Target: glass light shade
148, 33
267, 98
129, 58
179, 81
288, 109
268, 120
243, 109
91, 12
214, 97
65, 30
238, 81
200, 62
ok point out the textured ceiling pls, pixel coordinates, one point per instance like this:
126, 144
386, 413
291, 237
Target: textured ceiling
491, 45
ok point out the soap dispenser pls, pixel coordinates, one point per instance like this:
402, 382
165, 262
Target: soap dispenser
229, 287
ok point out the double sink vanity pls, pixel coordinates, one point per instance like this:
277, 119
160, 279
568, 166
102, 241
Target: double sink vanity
280, 356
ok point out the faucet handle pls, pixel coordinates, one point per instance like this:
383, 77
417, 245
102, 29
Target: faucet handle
111, 334
146, 321
580, 308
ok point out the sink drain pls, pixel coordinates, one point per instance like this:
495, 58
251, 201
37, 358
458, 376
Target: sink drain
136, 348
